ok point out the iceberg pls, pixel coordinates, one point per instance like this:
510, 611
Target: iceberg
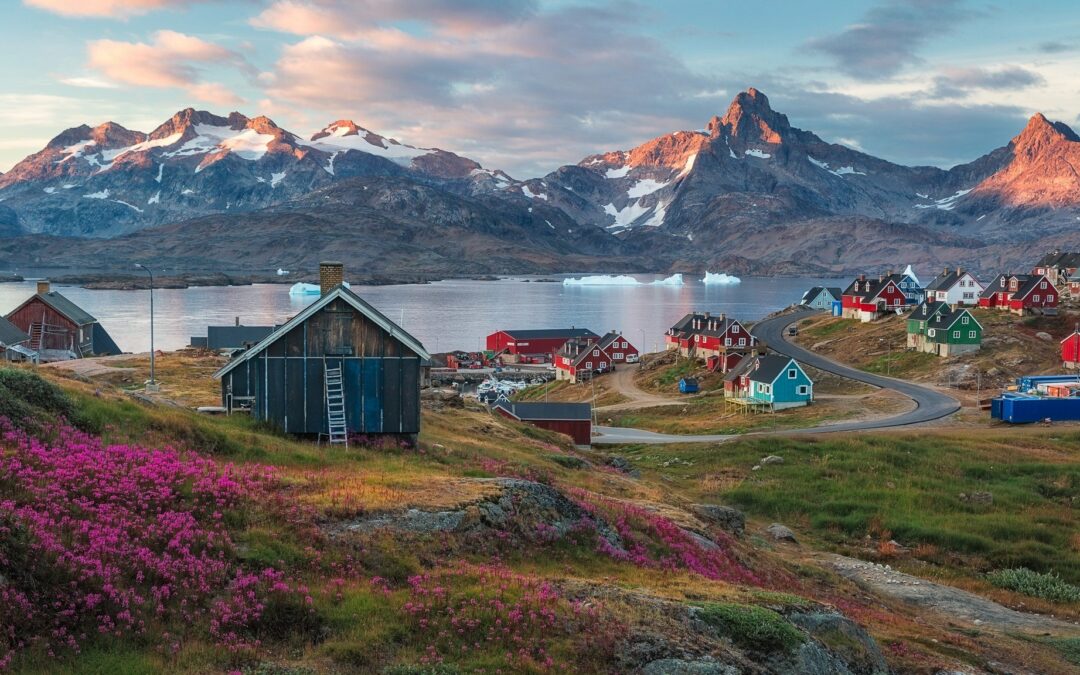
603, 280
720, 279
300, 288
673, 280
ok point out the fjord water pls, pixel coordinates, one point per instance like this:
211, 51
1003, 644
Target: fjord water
445, 315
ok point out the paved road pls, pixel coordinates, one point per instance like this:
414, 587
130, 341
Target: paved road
930, 404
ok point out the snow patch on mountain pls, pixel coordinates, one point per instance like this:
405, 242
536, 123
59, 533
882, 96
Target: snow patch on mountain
121, 201
754, 152
156, 199
690, 161
75, 150
110, 156
842, 171
160, 172
617, 173
945, 203
340, 139
657, 218
276, 178
103, 194
644, 187
531, 195
49, 190
625, 216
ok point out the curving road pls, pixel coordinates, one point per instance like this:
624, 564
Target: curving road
930, 404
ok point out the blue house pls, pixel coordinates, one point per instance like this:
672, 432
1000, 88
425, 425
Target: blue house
775, 381
910, 285
821, 297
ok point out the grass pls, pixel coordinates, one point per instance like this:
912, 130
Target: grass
756, 628
911, 487
1047, 585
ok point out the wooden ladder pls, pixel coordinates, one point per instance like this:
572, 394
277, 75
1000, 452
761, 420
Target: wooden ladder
335, 407
37, 336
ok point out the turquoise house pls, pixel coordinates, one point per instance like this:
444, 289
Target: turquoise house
821, 297
775, 381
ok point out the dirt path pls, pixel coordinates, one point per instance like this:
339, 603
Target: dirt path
95, 366
954, 604
622, 382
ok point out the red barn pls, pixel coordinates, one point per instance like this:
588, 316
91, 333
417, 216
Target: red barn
542, 342
59, 329
1070, 350
618, 348
579, 360
572, 419
1036, 295
867, 299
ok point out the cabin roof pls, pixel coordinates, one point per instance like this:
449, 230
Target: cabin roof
858, 288
927, 309
396, 331
546, 411
1030, 285
10, 334
610, 337
1060, 259
104, 345
947, 317
77, 315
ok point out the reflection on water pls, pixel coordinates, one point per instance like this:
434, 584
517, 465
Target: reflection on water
444, 315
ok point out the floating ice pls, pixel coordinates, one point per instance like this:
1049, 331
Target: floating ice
720, 279
603, 280
300, 288
673, 280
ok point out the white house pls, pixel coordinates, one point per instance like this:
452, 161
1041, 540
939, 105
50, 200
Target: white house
955, 287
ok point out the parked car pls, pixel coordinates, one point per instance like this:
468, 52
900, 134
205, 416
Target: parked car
632, 358
793, 331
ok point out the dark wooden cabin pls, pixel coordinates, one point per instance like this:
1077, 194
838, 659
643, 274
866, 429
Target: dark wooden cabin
59, 329
283, 378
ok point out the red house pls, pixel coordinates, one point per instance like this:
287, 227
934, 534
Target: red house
572, 419
705, 335
1035, 296
1070, 350
999, 291
538, 343
618, 348
579, 360
867, 299
59, 329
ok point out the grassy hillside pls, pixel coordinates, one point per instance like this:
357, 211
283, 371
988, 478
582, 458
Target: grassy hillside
142, 537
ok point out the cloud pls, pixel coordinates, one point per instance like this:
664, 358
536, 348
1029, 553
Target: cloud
1055, 47
888, 37
171, 60
104, 8
545, 88
957, 81
87, 82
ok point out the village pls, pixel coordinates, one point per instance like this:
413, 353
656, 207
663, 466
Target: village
340, 368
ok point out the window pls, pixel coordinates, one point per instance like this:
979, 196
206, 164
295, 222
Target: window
956, 334
964, 320
803, 390
742, 342
588, 365
792, 374
596, 352
1042, 284
623, 345
969, 296
727, 342
735, 328
1035, 297
617, 355
972, 334
697, 338
1049, 298
930, 333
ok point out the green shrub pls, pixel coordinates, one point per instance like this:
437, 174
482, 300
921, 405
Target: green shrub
28, 400
752, 627
1048, 586
438, 669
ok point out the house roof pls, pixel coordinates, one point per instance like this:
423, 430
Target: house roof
104, 345
609, 337
996, 287
767, 368
577, 350
868, 288
722, 322
77, 315
816, 291
396, 331
550, 333
927, 309
1059, 259
947, 279
1075, 335
948, 317
10, 334
1030, 285
739, 370
546, 411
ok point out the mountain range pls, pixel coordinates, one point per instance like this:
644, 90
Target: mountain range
748, 193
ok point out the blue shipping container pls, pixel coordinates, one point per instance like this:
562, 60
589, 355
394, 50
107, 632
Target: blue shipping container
1020, 409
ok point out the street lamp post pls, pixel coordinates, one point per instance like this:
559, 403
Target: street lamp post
152, 383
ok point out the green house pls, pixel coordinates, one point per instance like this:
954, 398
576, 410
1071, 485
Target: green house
951, 332
919, 318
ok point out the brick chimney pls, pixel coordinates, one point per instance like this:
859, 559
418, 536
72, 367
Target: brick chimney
42, 286
862, 277
331, 275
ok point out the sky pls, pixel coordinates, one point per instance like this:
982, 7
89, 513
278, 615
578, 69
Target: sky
529, 85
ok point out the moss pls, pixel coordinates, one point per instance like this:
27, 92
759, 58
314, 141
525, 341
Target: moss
752, 627
569, 461
1048, 586
28, 401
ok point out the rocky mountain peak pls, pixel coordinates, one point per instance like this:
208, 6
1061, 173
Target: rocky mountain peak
750, 118
1040, 132
341, 128
189, 117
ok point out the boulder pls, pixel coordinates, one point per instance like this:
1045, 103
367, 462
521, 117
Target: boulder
726, 518
1044, 336
781, 533
845, 640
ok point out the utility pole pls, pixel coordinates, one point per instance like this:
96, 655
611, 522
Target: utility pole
152, 384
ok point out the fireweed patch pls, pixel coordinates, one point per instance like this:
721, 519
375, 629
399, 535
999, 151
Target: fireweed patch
120, 540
